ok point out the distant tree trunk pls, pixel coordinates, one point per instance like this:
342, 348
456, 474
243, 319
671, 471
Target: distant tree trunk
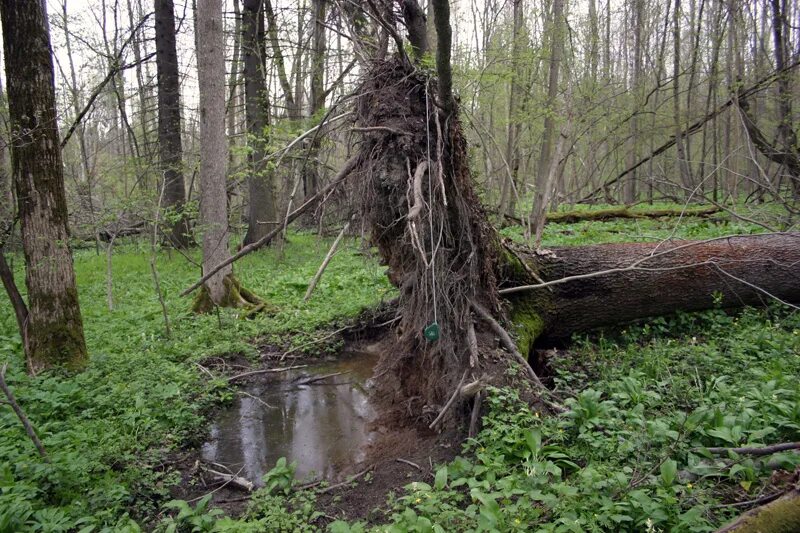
169, 123
262, 209
55, 327
86, 179
222, 289
292, 106
684, 171
557, 36
318, 47
638, 24
232, 110
786, 133
509, 188
144, 89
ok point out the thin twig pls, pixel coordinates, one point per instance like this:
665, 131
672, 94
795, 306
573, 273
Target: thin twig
450, 401
265, 371
409, 463
325, 262
346, 482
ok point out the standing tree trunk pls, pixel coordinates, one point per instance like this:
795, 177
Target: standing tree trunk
213, 146
55, 327
786, 134
262, 208
318, 48
222, 289
169, 124
682, 165
509, 189
638, 24
557, 36
6, 189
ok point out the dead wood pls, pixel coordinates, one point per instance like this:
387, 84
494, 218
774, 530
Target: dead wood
758, 452
26, 423
265, 371
781, 515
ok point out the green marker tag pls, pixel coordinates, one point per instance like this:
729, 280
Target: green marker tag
431, 332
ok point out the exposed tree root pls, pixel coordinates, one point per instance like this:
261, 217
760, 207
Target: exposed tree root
238, 297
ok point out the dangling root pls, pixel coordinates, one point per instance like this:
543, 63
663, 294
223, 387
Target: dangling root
237, 296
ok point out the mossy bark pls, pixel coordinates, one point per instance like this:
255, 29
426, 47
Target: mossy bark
235, 296
779, 516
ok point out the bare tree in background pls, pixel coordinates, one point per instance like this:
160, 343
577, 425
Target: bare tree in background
169, 124
262, 208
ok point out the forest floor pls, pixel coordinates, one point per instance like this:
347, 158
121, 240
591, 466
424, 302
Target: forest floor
644, 401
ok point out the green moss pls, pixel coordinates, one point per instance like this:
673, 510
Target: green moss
527, 322
782, 516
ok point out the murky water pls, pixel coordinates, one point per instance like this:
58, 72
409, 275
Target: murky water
321, 425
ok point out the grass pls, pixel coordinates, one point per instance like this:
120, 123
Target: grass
111, 427
626, 457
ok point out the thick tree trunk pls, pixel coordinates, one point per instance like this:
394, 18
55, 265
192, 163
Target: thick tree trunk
646, 280
778, 516
262, 208
213, 146
55, 327
169, 122
221, 289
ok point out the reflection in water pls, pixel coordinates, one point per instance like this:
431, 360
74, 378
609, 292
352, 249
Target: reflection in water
322, 425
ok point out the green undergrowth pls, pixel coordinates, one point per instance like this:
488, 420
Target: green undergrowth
644, 230
623, 458
630, 452
110, 431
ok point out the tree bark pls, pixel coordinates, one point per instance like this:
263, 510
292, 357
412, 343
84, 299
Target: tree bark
213, 146
262, 208
778, 516
510, 188
169, 123
312, 172
557, 36
55, 327
647, 280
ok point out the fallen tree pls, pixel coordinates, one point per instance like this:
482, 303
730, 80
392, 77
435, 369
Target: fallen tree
448, 261
611, 213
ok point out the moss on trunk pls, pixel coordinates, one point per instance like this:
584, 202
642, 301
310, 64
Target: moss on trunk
236, 296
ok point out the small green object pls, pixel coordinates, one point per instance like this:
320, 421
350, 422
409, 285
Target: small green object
431, 332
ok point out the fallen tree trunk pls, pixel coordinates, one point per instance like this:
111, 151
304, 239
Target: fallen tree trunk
778, 516
586, 287
602, 215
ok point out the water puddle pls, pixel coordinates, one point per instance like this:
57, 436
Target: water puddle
322, 425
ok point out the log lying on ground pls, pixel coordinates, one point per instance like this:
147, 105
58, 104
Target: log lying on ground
778, 516
602, 215
570, 217
587, 287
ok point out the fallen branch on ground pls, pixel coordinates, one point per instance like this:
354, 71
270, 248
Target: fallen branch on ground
21, 415
346, 170
765, 450
265, 371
